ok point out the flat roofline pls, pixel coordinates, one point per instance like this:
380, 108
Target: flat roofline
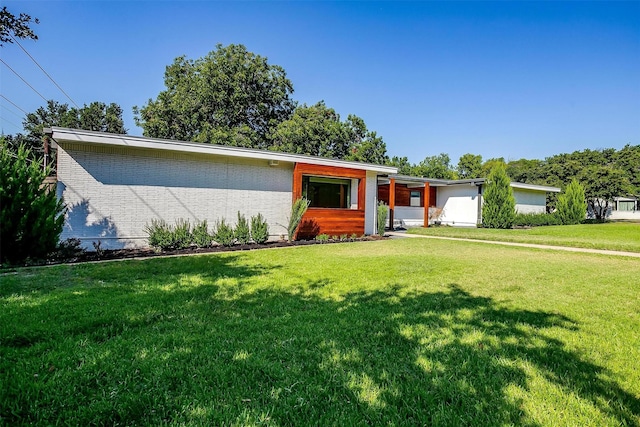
406, 179
102, 138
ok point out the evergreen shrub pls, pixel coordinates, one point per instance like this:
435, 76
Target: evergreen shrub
242, 232
31, 216
499, 207
259, 229
224, 233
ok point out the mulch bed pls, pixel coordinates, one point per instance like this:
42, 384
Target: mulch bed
116, 254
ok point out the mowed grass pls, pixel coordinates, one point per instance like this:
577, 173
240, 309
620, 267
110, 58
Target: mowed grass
398, 332
618, 236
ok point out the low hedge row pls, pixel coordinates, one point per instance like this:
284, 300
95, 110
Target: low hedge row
182, 235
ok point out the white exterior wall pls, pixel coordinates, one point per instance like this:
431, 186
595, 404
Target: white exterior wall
528, 201
411, 216
371, 199
460, 205
113, 192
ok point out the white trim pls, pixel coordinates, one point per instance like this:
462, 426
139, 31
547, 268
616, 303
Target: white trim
535, 187
102, 138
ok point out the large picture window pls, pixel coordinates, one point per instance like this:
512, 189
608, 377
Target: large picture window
325, 192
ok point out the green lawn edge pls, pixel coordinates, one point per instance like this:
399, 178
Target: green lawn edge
613, 236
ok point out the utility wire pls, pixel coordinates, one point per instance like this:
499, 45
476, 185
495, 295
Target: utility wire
46, 74
11, 123
10, 110
25, 82
11, 102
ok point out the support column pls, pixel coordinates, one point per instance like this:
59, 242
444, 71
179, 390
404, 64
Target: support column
392, 201
427, 202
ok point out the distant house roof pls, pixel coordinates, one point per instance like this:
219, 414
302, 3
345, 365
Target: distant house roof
405, 179
110, 139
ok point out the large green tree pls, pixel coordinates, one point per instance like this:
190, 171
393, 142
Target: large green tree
438, 167
498, 208
469, 166
230, 96
601, 185
31, 217
314, 130
96, 116
402, 163
317, 131
16, 26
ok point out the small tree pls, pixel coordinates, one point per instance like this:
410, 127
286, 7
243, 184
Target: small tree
499, 208
259, 229
242, 232
224, 233
298, 209
571, 205
382, 217
31, 217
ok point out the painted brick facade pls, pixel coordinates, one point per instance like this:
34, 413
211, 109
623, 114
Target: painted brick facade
129, 187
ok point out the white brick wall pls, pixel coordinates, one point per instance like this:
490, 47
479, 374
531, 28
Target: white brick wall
528, 201
113, 192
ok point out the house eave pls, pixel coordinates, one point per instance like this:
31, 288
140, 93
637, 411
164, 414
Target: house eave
59, 134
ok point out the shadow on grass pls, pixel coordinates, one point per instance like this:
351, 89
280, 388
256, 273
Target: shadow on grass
204, 343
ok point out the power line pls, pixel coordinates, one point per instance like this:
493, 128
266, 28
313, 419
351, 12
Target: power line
11, 123
25, 82
46, 74
10, 110
11, 102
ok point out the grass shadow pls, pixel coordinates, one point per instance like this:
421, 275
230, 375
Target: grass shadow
213, 342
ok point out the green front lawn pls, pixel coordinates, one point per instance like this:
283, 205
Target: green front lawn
398, 332
618, 236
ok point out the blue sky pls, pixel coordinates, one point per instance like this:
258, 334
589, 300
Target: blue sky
500, 79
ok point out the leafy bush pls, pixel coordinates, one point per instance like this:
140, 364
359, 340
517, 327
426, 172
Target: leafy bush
31, 217
354, 236
259, 229
242, 232
382, 218
201, 236
499, 207
160, 234
298, 209
322, 238
182, 237
224, 233
535, 219
571, 206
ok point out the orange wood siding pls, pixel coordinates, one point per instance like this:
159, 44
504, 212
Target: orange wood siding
403, 194
433, 191
330, 221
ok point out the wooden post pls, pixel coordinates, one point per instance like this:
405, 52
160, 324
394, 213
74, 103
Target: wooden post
392, 201
427, 202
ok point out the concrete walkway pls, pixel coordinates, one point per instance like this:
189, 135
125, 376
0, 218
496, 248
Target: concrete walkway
397, 234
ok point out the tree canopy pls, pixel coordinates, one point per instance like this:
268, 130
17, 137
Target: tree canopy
96, 116
469, 166
230, 96
16, 26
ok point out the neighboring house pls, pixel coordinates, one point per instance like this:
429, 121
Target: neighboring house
451, 202
620, 208
114, 185
625, 208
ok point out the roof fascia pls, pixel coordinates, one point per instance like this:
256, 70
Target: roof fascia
102, 138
